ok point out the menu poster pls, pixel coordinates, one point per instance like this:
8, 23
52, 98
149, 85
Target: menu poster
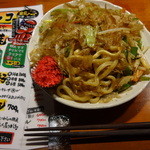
16, 27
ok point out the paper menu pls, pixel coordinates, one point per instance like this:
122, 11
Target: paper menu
16, 27
37, 115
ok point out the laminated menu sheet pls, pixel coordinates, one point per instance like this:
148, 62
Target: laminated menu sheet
18, 106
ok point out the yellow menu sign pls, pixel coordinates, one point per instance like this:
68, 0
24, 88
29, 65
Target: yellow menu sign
6, 17
3, 77
2, 104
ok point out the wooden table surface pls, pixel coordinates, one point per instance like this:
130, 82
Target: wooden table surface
137, 110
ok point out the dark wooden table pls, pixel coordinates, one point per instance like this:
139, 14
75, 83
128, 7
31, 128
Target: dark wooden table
137, 110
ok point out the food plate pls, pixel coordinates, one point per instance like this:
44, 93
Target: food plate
123, 97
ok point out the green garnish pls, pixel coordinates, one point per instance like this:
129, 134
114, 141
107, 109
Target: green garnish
45, 25
144, 78
139, 44
127, 71
124, 87
124, 38
135, 19
126, 53
134, 51
59, 11
67, 51
63, 11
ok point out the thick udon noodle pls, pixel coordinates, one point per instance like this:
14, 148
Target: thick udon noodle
98, 49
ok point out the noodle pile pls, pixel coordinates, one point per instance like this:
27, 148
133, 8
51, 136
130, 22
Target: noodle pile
99, 50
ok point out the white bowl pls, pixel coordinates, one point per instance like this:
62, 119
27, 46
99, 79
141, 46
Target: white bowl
125, 96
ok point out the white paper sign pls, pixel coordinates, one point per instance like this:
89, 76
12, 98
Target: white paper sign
16, 27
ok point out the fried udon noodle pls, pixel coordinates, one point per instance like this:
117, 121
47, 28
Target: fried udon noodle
98, 49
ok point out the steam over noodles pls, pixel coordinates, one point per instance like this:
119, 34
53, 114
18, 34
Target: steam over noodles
98, 49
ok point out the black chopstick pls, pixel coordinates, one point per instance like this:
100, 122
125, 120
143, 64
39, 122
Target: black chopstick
88, 140
128, 132
136, 125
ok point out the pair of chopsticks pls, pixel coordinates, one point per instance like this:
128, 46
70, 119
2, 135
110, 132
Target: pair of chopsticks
113, 130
